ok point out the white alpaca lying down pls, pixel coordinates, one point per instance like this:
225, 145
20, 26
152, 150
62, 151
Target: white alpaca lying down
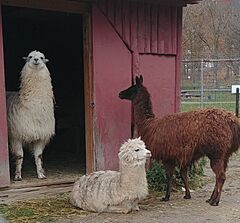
112, 191
30, 112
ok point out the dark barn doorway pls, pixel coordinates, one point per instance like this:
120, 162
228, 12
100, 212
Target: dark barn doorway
60, 37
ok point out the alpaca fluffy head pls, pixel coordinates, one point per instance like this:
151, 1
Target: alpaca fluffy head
133, 153
35, 60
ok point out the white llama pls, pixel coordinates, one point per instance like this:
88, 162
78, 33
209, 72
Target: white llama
30, 111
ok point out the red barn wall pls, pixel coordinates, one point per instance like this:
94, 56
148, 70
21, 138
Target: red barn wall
160, 81
143, 27
146, 30
4, 163
112, 72
128, 39
140, 38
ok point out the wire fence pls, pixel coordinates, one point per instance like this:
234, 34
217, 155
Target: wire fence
208, 83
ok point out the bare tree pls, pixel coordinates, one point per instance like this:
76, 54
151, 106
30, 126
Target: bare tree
211, 29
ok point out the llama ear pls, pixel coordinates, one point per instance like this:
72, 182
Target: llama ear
26, 58
45, 60
138, 81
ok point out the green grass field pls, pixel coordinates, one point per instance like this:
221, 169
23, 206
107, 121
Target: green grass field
189, 106
224, 100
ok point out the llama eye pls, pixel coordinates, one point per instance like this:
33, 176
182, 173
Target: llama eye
136, 150
30, 57
41, 58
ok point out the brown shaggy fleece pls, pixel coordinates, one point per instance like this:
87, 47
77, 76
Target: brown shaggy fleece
183, 138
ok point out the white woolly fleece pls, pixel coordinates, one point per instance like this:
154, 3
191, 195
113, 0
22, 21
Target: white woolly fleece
112, 191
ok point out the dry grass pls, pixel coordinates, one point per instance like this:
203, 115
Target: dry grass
40, 210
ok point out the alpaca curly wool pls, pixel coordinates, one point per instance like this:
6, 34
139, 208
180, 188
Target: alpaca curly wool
112, 191
30, 112
184, 138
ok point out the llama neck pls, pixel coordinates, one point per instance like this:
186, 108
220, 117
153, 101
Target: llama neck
132, 177
142, 107
35, 85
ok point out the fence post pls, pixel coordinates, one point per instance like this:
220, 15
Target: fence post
237, 101
202, 81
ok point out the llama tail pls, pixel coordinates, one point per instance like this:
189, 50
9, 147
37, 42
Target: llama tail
235, 127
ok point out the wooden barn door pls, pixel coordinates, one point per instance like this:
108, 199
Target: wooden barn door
4, 161
111, 74
132, 38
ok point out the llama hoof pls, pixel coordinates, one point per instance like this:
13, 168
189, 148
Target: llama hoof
212, 202
209, 201
135, 208
187, 197
41, 176
17, 178
165, 199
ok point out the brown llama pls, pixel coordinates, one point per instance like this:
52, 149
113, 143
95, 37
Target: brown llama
183, 138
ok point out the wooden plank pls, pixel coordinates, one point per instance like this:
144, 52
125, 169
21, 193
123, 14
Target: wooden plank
133, 25
126, 22
20, 194
118, 17
141, 28
154, 29
4, 159
111, 11
161, 31
167, 33
41, 183
147, 48
60, 5
178, 61
174, 22
102, 5
88, 94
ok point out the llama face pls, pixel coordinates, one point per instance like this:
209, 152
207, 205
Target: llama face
133, 153
131, 92
36, 60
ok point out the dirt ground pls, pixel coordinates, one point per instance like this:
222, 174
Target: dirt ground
179, 210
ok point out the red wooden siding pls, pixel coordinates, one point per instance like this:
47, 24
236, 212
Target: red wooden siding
4, 163
159, 77
112, 73
143, 27
128, 38
178, 60
150, 29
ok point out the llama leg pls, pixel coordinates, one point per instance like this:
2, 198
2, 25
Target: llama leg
214, 193
38, 151
135, 206
184, 175
169, 167
219, 169
17, 151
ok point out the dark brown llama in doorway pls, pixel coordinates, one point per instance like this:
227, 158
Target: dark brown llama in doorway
183, 138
